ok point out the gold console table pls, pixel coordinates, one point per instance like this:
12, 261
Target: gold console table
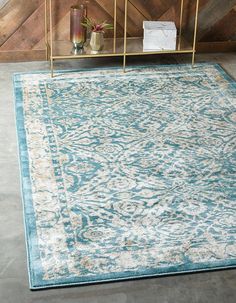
114, 47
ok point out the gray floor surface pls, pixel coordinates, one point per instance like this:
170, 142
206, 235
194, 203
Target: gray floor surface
209, 287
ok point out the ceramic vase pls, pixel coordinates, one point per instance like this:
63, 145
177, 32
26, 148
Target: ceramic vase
97, 41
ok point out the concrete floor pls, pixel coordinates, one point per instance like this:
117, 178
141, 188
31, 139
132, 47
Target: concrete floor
208, 287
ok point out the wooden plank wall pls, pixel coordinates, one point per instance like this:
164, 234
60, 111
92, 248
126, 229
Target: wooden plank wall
22, 21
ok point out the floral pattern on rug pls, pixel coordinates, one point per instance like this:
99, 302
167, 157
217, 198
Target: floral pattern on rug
127, 175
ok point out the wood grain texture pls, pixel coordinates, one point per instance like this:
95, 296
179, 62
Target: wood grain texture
224, 29
211, 14
22, 21
13, 15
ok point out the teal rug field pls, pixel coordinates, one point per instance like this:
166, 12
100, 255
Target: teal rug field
127, 175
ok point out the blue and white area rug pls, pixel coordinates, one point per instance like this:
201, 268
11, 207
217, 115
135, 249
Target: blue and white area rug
127, 175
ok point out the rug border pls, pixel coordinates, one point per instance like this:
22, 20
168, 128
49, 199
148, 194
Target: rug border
25, 181
81, 70
26, 197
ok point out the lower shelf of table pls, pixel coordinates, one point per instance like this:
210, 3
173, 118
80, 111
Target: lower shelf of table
64, 49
